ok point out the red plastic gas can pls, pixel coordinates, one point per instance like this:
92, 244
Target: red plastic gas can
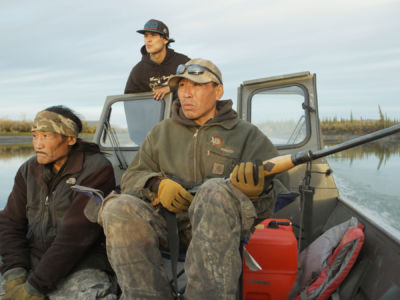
274, 246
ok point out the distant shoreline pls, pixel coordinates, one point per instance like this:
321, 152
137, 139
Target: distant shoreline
25, 139
331, 139
12, 140
328, 139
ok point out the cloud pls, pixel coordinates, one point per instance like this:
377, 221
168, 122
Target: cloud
78, 52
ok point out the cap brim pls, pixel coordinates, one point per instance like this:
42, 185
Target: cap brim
142, 31
174, 80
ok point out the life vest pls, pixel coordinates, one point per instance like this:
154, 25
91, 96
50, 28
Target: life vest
327, 261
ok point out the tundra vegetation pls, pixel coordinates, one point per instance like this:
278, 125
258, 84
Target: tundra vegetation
12, 127
335, 126
329, 126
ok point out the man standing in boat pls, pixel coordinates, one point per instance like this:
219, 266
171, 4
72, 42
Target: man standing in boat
47, 245
200, 145
158, 62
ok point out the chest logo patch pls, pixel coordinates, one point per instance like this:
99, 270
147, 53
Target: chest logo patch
216, 140
218, 169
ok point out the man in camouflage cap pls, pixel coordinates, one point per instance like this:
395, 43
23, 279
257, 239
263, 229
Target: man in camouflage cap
201, 145
48, 247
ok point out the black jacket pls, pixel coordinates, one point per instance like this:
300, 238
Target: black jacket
147, 75
43, 227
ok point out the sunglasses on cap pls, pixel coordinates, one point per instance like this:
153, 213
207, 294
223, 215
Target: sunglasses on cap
195, 69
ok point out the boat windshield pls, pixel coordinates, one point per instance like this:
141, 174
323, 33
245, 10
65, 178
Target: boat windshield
280, 114
130, 121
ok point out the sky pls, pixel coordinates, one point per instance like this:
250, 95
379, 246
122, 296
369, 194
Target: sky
76, 53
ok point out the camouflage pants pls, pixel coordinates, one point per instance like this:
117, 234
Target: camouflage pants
88, 284
219, 214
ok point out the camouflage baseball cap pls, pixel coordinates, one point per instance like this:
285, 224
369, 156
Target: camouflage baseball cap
198, 70
157, 27
52, 122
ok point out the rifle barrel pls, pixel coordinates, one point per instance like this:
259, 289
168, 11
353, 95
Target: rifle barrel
356, 141
285, 162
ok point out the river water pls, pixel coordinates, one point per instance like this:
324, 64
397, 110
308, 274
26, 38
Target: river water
367, 177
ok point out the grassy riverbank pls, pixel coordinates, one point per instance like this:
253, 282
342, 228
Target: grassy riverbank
329, 126
335, 126
23, 128
19, 133
353, 127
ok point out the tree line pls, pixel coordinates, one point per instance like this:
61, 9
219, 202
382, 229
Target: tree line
335, 126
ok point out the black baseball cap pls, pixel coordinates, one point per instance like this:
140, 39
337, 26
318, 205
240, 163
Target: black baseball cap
156, 26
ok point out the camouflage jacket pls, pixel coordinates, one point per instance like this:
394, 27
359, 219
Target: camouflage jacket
181, 150
43, 228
